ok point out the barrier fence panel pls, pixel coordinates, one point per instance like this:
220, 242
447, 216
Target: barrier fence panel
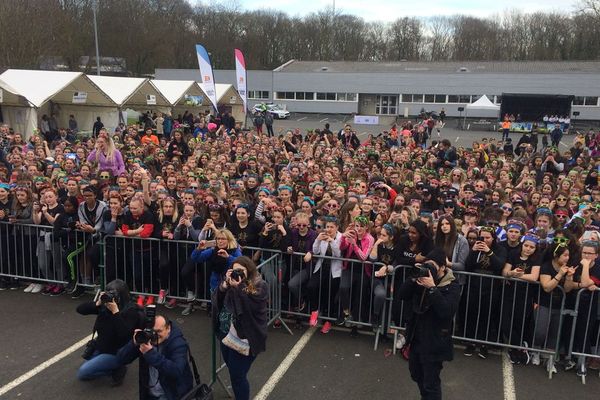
42, 254
496, 311
584, 341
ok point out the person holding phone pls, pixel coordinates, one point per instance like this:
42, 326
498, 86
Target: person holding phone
486, 257
524, 267
240, 320
218, 260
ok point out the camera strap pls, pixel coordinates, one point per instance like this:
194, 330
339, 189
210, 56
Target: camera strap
194, 368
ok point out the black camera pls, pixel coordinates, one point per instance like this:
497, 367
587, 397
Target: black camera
237, 275
108, 297
423, 270
147, 334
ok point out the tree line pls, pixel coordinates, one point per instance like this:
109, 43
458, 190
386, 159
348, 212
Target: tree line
151, 34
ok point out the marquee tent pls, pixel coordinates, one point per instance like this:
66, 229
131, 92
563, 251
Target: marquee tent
137, 94
63, 93
228, 99
15, 110
484, 106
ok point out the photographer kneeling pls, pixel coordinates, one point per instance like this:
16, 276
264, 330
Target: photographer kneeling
163, 353
117, 318
240, 321
435, 294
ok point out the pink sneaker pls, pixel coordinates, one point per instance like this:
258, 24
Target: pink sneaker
326, 327
162, 296
314, 316
172, 303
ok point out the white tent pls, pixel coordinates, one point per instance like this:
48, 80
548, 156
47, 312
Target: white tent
182, 95
63, 93
16, 110
137, 94
482, 108
228, 99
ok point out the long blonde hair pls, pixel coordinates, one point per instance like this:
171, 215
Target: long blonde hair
161, 214
110, 146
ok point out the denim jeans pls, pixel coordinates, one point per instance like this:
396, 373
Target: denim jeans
101, 364
238, 365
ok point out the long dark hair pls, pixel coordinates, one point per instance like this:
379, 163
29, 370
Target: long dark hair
253, 274
446, 241
423, 230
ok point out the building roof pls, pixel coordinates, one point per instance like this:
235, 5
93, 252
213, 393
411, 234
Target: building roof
478, 67
39, 87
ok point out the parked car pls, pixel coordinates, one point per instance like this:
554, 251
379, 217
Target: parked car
276, 110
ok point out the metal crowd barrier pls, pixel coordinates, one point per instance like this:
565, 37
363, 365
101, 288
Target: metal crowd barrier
584, 343
495, 311
41, 254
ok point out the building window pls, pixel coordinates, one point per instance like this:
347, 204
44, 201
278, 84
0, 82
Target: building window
336, 96
386, 105
429, 98
591, 101
258, 94
305, 96
464, 98
284, 95
497, 99
452, 98
417, 98
440, 98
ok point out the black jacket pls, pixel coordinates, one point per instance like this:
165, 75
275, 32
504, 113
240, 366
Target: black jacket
429, 330
249, 311
174, 372
112, 330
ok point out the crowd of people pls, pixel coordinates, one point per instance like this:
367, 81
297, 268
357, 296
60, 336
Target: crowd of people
335, 204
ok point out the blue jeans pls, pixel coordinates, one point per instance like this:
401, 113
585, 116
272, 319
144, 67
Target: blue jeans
238, 365
101, 364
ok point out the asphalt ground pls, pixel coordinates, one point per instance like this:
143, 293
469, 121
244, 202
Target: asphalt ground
35, 328
451, 130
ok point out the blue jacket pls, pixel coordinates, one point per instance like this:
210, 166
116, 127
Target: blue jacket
217, 265
172, 364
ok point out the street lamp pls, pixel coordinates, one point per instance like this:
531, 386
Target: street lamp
94, 7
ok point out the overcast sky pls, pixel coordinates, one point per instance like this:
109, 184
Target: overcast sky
389, 10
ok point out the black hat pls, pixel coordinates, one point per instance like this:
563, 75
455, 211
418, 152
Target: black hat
469, 188
449, 203
437, 255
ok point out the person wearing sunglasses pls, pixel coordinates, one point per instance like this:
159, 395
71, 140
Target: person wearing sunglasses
486, 257
523, 265
302, 238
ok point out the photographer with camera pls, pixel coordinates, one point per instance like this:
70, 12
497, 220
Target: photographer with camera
434, 294
163, 353
240, 321
116, 320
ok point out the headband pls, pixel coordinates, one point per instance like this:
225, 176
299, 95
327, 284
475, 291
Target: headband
4, 186
532, 238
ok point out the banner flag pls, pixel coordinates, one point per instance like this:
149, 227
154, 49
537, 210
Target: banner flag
206, 72
241, 77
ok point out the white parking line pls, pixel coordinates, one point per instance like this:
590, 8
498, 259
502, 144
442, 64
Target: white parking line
509, 378
30, 374
301, 119
284, 366
324, 119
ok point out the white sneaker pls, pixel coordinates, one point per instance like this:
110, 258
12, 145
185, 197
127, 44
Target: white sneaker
191, 296
535, 358
400, 342
37, 288
29, 288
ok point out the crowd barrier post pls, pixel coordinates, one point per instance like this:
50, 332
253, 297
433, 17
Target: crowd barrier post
584, 338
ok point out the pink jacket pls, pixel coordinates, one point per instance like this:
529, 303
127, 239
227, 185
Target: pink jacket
359, 250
